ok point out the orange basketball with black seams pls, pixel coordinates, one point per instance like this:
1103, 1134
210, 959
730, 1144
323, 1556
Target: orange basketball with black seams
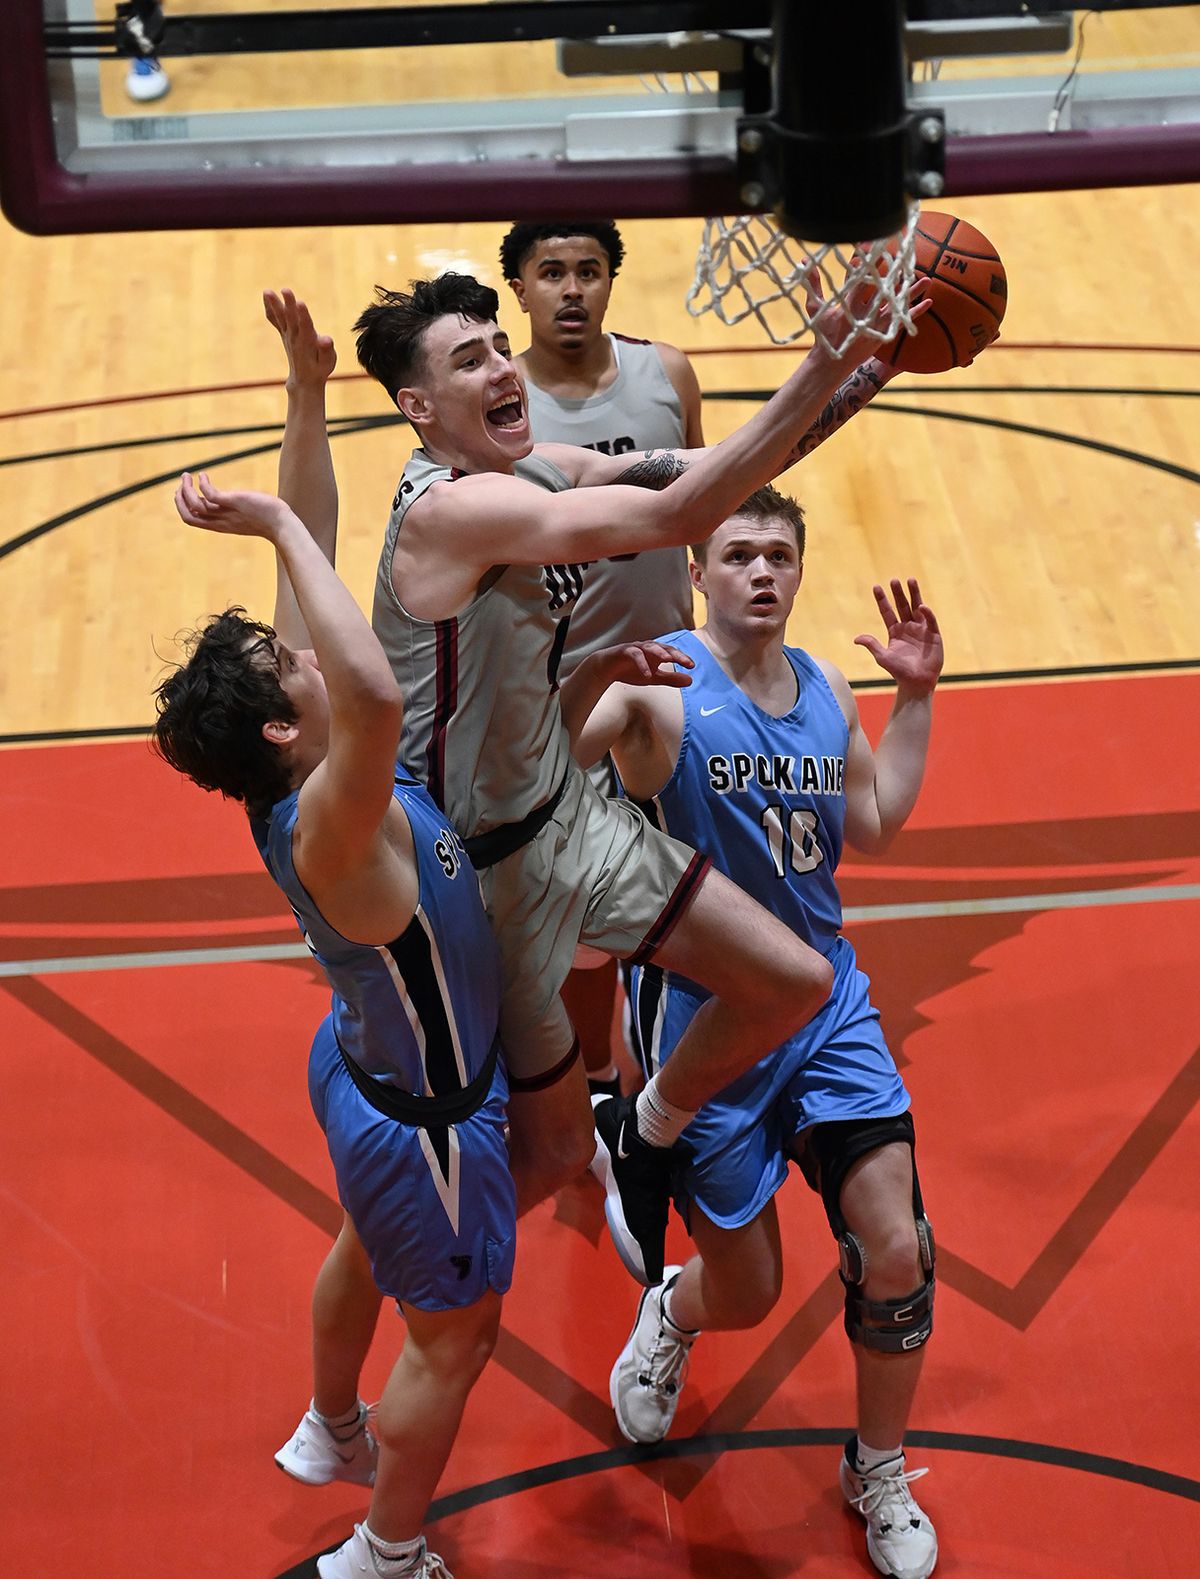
970, 293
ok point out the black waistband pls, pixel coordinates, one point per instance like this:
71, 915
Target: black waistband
485, 849
425, 1112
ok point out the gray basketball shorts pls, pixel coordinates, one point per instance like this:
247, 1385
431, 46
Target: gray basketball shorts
597, 873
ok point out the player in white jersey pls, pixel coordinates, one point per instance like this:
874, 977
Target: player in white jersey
762, 761
617, 395
300, 722
480, 566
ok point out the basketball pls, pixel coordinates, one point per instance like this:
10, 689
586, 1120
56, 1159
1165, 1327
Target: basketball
970, 293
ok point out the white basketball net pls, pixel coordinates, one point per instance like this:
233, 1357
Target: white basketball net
748, 267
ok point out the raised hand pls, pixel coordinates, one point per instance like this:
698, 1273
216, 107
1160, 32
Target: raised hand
852, 326
647, 663
913, 655
312, 357
241, 514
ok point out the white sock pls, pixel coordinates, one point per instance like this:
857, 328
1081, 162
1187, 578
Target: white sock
398, 1556
868, 1458
689, 1332
660, 1124
342, 1427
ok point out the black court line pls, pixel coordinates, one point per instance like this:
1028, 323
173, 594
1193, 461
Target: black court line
335, 425
172, 476
144, 396
756, 1441
1001, 424
1080, 671
367, 421
366, 424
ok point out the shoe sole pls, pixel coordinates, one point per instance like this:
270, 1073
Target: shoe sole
327, 1480
623, 1240
638, 1441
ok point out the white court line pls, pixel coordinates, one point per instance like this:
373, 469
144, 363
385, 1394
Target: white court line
1011, 902
853, 913
152, 959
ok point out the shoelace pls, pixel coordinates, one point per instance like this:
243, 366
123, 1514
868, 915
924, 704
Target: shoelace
883, 1488
666, 1370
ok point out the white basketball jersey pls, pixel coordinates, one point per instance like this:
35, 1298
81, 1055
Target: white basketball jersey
634, 596
482, 725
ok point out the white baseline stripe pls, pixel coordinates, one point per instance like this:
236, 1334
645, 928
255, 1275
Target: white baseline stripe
146, 961
266, 952
1012, 902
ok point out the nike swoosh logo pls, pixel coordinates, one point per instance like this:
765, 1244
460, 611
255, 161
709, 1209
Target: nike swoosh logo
706, 712
621, 1152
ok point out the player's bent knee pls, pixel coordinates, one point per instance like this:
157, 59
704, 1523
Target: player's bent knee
888, 1325
894, 1261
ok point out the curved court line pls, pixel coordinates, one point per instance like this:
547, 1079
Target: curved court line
1078, 671
366, 424
363, 423
103, 500
236, 954
700, 350
882, 403
335, 426
752, 1441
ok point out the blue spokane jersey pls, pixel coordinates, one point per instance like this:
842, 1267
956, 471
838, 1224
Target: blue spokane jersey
420, 1012
764, 797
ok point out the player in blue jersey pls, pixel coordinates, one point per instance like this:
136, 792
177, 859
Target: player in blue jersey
301, 723
762, 763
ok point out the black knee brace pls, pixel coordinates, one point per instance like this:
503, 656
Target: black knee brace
892, 1326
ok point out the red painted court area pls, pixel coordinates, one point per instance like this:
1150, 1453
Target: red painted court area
166, 1199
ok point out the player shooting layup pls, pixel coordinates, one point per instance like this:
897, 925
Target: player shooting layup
481, 564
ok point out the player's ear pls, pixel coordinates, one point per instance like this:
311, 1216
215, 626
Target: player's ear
696, 572
518, 289
280, 733
411, 403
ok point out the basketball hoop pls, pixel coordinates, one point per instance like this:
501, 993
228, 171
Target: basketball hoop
749, 267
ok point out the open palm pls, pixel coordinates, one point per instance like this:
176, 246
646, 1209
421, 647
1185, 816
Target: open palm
913, 655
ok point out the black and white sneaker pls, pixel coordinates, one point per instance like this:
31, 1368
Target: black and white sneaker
637, 1187
901, 1539
651, 1369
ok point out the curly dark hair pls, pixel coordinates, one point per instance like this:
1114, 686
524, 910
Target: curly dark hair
212, 709
764, 504
525, 235
391, 331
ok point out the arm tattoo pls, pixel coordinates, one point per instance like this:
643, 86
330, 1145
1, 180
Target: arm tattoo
862, 386
655, 469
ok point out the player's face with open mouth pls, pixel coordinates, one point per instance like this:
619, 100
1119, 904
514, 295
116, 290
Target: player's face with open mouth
476, 391
752, 573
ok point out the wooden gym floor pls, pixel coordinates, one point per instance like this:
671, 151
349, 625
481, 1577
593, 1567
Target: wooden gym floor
1032, 939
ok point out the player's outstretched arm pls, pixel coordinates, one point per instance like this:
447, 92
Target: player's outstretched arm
343, 800
864, 377
882, 785
306, 478
600, 700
